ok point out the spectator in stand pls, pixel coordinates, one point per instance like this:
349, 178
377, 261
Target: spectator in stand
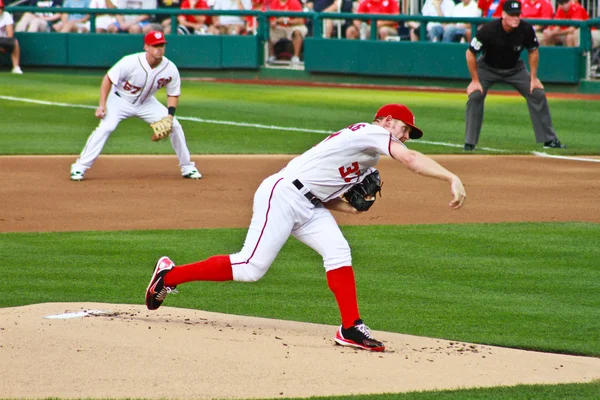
537, 9
435, 30
330, 6
458, 31
568, 35
103, 20
8, 42
39, 21
129, 22
162, 22
193, 24
251, 22
384, 28
490, 8
73, 22
291, 28
229, 24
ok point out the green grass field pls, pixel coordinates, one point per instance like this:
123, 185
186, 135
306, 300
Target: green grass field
441, 115
522, 285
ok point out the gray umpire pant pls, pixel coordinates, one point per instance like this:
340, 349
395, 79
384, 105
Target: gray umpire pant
520, 79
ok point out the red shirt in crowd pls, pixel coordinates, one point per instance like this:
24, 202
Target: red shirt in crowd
289, 5
200, 5
378, 7
485, 5
251, 23
541, 9
575, 12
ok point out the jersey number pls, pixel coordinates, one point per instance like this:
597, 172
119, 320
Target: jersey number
346, 171
130, 88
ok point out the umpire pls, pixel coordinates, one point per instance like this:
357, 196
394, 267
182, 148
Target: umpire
501, 42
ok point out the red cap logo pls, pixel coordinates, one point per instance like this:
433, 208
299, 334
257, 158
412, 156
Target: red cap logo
401, 113
153, 38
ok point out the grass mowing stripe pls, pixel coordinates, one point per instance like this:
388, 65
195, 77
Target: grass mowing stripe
531, 285
238, 124
328, 109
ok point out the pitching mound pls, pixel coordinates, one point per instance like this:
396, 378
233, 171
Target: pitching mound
124, 351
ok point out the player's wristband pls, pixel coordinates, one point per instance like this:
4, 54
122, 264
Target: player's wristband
172, 111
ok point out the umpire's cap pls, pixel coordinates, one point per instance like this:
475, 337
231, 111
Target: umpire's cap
402, 113
153, 38
512, 7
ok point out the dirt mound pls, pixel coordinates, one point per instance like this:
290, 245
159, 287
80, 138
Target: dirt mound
125, 351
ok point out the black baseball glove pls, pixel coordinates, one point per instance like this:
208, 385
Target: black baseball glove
362, 195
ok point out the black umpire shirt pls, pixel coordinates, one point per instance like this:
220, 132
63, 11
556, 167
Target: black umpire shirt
502, 49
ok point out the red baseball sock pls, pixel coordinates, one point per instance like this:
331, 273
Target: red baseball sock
341, 283
215, 268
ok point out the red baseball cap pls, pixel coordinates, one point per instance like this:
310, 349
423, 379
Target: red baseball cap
402, 113
153, 38
1, 3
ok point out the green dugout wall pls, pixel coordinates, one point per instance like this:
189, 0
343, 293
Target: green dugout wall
103, 50
373, 58
335, 56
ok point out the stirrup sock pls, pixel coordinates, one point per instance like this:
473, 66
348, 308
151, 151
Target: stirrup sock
341, 282
215, 268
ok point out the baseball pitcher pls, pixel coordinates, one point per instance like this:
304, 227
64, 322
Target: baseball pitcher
336, 174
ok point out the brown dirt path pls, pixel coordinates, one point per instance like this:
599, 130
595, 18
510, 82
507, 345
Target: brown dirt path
132, 192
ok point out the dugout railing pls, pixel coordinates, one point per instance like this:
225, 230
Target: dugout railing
422, 59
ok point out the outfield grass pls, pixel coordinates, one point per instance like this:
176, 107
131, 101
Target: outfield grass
49, 129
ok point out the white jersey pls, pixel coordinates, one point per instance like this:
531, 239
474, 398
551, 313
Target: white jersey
341, 160
135, 81
5, 19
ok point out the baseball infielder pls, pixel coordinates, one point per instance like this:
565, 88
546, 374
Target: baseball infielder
297, 200
127, 90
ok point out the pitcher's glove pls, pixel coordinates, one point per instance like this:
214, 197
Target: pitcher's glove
362, 195
162, 128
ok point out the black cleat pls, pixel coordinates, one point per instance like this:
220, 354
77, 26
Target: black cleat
157, 291
554, 144
358, 336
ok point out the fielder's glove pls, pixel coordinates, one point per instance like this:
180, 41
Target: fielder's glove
162, 128
362, 195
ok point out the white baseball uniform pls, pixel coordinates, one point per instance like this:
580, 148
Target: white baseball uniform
132, 95
282, 206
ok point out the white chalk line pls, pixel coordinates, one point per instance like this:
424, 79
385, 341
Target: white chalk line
283, 128
540, 154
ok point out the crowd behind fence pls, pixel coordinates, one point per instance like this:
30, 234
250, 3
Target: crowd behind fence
263, 23
315, 19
